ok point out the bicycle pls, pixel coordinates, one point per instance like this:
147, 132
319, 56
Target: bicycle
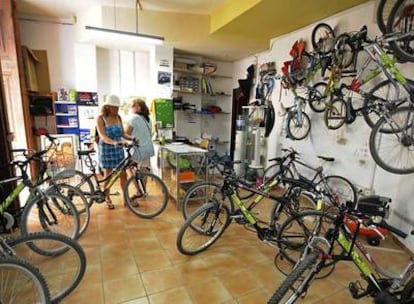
337, 243
44, 210
201, 192
208, 222
338, 189
60, 260
400, 26
21, 282
145, 194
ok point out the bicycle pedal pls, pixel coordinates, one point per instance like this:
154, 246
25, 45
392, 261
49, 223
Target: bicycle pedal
356, 290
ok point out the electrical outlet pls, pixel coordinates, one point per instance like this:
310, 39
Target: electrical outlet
363, 191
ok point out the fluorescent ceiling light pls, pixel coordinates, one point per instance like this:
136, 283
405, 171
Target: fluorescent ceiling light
115, 36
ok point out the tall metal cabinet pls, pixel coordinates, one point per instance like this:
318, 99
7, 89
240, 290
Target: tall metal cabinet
202, 100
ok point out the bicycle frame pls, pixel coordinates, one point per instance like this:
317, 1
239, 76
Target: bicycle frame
111, 178
353, 251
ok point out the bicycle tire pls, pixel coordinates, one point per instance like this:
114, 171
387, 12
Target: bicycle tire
79, 200
344, 53
335, 114
322, 38
407, 294
398, 23
292, 280
294, 127
203, 193
386, 93
150, 201
63, 269
341, 189
21, 282
295, 231
80, 181
199, 230
298, 201
65, 218
382, 14
317, 98
394, 151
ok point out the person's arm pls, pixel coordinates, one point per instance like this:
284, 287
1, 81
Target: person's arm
127, 131
100, 126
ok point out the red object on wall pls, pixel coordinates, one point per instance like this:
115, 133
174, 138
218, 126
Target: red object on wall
366, 231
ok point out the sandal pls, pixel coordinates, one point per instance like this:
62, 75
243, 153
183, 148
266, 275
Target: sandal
133, 198
109, 204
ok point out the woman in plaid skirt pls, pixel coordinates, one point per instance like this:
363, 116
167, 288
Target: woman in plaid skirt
111, 134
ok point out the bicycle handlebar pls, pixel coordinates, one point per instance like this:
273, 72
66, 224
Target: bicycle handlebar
384, 224
360, 36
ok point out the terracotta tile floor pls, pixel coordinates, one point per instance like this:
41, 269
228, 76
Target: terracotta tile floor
135, 261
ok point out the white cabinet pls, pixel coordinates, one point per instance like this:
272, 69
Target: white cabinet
203, 88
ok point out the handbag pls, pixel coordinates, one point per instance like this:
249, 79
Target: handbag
144, 151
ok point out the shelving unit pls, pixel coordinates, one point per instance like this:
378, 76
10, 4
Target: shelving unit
67, 119
206, 85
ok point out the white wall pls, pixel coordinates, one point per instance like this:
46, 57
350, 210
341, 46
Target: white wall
349, 145
59, 42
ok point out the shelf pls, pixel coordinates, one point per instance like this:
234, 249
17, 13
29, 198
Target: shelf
197, 73
66, 127
65, 102
66, 114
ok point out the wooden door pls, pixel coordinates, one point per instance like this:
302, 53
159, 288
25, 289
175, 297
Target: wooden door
15, 97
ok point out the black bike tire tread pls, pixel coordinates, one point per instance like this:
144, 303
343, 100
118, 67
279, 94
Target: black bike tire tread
187, 225
70, 243
37, 275
294, 276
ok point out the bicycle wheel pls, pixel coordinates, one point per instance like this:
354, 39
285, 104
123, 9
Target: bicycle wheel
394, 150
340, 189
78, 199
145, 194
383, 12
323, 38
401, 22
386, 94
407, 295
80, 181
296, 202
317, 100
21, 282
344, 54
203, 228
63, 266
335, 114
50, 212
298, 281
295, 232
296, 129
203, 193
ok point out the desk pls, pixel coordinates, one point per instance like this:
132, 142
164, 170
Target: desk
191, 168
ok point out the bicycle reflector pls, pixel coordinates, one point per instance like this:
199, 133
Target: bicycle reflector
374, 205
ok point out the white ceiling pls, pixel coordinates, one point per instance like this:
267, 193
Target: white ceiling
186, 24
